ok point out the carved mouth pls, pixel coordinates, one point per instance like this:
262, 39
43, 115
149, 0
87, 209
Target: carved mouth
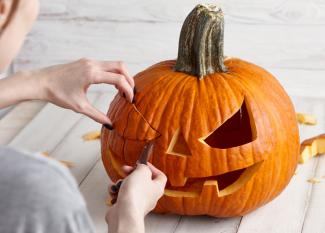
225, 184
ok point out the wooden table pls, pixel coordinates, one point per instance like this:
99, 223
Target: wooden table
44, 127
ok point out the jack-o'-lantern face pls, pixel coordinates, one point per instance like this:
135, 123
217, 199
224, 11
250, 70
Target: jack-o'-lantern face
228, 142
238, 130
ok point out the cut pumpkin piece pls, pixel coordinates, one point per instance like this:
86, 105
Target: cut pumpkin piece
134, 126
66, 163
306, 119
312, 147
314, 180
90, 136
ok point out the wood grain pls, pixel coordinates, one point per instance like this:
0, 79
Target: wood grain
83, 154
46, 129
271, 46
238, 11
287, 37
17, 118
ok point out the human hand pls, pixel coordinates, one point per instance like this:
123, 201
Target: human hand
142, 187
138, 195
66, 85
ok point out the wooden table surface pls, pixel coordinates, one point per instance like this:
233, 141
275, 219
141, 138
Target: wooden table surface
287, 37
37, 127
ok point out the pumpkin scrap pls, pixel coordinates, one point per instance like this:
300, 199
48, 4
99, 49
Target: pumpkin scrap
45, 153
306, 119
314, 180
109, 201
66, 163
311, 148
93, 135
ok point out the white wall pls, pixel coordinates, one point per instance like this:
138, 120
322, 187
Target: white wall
285, 36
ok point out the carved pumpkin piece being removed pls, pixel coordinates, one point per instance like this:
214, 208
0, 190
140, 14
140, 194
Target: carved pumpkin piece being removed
224, 130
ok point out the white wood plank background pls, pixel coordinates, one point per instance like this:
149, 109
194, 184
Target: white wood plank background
287, 37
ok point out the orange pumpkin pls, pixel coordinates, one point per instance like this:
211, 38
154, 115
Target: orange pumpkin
224, 130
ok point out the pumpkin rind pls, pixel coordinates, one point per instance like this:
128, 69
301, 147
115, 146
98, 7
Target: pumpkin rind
169, 101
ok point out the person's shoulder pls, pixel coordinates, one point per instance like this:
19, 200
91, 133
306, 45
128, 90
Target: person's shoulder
23, 161
40, 188
28, 168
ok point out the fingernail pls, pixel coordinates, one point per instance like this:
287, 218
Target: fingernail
114, 188
109, 126
118, 184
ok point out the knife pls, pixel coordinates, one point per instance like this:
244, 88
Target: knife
143, 159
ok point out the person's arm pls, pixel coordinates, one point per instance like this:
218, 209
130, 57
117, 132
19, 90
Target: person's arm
66, 85
138, 195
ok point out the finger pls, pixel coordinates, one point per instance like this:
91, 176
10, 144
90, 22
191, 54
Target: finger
118, 80
157, 175
115, 188
127, 169
143, 170
117, 67
95, 114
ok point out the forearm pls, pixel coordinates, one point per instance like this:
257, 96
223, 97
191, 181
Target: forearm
121, 220
19, 87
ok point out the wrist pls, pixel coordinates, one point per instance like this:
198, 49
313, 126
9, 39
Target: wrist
32, 85
125, 219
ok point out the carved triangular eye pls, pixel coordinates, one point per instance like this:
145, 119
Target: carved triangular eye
236, 131
178, 145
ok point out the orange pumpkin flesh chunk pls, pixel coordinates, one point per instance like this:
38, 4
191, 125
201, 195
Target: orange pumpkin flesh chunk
306, 119
312, 147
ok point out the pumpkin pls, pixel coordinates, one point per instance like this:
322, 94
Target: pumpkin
224, 130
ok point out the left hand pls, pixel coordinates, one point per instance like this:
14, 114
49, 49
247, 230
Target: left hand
66, 85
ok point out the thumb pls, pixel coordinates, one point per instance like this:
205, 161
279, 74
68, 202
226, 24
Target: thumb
95, 114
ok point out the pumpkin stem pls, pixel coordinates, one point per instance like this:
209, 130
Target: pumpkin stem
200, 50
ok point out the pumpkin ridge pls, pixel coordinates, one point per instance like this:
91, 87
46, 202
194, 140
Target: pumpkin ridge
163, 98
142, 102
181, 87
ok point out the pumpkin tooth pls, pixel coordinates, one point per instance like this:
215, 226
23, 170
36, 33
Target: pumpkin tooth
224, 184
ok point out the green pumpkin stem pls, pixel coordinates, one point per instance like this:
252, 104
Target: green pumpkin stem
200, 50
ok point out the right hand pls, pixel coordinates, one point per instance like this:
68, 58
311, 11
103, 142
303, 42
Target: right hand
141, 189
